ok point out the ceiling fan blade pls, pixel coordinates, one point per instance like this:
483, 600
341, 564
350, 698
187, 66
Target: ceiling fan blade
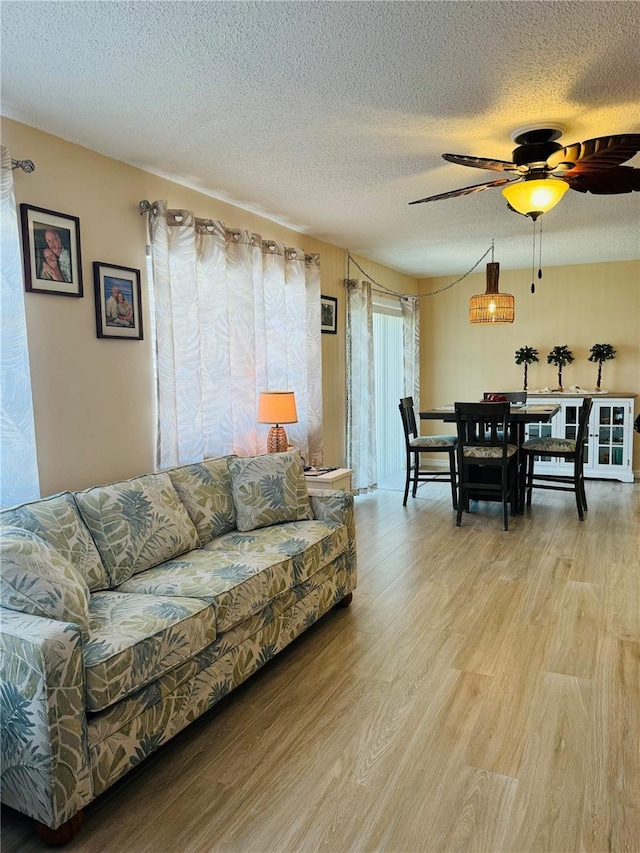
603, 152
481, 162
620, 179
465, 190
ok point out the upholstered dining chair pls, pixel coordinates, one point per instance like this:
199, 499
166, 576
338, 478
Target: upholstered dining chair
571, 450
416, 445
487, 461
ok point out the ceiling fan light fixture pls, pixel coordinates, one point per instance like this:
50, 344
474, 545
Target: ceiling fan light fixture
492, 306
535, 197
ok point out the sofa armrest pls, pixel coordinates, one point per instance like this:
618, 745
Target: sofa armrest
44, 756
334, 505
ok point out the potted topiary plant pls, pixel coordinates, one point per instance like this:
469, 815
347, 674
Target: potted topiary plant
600, 353
526, 356
560, 356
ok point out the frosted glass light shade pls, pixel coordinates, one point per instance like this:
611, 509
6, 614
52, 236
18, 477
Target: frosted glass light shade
532, 198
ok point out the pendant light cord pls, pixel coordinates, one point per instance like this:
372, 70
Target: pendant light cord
384, 289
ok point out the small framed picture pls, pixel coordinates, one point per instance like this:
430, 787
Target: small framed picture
51, 252
118, 302
328, 315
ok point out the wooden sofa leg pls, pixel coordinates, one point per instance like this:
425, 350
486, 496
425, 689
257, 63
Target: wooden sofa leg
346, 601
61, 835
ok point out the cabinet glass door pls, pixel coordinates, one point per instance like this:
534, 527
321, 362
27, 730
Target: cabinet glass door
610, 435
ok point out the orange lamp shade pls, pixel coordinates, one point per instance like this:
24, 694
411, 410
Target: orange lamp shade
277, 407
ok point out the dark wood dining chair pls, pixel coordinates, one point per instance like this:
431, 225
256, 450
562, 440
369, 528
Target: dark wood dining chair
487, 461
569, 449
510, 397
416, 445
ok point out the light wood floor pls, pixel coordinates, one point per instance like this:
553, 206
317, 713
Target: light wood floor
482, 693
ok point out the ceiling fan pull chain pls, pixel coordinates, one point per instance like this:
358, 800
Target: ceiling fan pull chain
533, 259
540, 252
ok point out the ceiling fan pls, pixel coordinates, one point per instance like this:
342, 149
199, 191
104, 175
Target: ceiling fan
544, 170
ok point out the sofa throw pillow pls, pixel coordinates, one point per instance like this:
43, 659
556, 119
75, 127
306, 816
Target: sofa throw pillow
36, 579
205, 490
137, 524
56, 520
269, 489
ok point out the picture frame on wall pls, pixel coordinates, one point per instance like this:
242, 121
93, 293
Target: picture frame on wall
51, 252
328, 315
118, 301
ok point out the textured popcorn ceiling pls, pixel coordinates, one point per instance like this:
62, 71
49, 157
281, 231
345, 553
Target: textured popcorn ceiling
331, 116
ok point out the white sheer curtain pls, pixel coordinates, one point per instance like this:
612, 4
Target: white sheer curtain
361, 395
410, 307
361, 412
18, 464
235, 315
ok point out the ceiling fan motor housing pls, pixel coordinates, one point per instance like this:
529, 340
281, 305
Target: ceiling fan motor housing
534, 152
535, 145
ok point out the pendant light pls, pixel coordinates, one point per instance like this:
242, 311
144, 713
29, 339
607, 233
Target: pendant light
492, 306
534, 197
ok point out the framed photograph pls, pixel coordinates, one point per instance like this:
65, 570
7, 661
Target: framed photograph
118, 302
51, 252
328, 315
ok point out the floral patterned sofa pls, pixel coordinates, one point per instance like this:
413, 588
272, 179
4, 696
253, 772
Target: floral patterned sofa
128, 610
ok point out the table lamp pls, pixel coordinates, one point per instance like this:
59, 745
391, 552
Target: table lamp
277, 407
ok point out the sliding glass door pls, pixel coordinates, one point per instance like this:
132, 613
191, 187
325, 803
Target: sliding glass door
388, 358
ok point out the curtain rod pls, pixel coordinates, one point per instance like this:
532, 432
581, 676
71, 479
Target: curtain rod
310, 257
27, 166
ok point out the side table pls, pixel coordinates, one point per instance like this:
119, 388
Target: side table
338, 479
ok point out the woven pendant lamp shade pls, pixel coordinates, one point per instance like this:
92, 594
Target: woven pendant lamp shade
492, 306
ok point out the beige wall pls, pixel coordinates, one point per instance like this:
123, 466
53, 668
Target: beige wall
383, 276
93, 399
578, 306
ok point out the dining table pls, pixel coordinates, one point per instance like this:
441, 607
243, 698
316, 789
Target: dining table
520, 415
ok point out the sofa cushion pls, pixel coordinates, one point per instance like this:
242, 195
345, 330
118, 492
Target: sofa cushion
58, 522
237, 584
205, 490
134, 639
310, 544
268, 490
137, 523
36, 579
